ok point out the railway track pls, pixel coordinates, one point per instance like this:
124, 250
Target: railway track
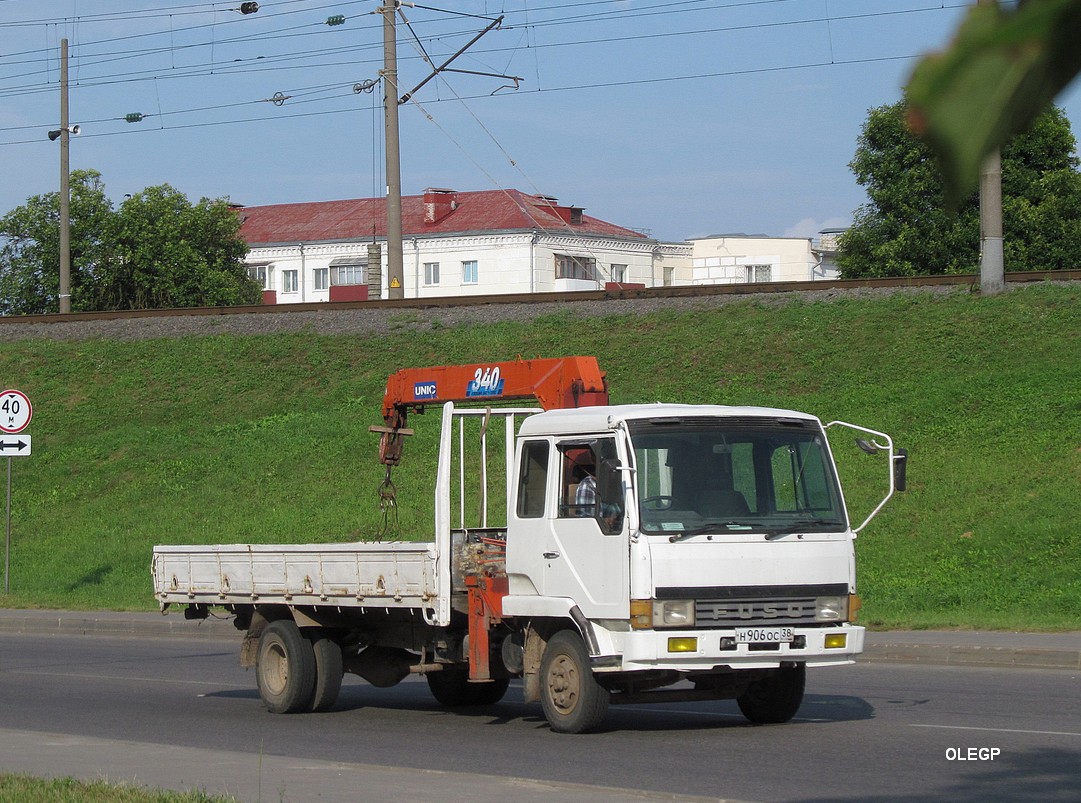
443, 302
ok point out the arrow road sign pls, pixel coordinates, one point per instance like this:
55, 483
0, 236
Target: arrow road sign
15, 446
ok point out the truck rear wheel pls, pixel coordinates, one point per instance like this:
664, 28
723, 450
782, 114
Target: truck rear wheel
572, 700
451, 687
775, 698
328, 673
285, 668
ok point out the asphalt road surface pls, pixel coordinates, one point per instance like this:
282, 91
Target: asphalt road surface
870, 732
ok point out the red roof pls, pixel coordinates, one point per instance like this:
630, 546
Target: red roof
435, 212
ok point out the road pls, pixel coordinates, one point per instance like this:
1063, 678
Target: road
878, 732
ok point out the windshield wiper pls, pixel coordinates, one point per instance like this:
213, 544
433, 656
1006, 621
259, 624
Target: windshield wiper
799, 526
707, 527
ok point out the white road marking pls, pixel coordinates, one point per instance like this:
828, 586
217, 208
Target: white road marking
125, 678
996, 730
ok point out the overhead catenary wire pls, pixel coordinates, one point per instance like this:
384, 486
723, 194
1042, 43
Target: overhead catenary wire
261, 64
509, 25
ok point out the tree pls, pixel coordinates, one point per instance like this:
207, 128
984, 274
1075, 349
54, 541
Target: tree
906, 228
170, 253
157, 250
30, 249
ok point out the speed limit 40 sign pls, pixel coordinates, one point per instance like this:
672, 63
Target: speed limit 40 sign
15, 411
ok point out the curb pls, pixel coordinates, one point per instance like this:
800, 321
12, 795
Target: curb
971, 655
88, 623
933, 648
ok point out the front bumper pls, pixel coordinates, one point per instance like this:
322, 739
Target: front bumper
640, 650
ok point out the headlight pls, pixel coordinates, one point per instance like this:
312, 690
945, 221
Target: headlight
831, 609
673, 613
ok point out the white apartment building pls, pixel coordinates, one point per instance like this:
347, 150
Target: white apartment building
454, 243
741, 259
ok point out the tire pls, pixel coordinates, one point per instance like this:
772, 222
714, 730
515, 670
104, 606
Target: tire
775, 698
452, 688
328, 673
572, 700
285, 668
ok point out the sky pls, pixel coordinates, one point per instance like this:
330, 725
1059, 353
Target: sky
678, 118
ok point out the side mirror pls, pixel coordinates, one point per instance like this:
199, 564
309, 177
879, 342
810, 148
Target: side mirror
900, 460
900, 467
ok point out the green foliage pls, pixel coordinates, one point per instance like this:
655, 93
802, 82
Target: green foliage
30, 250
227, 439
172, 253
905, 228
25, 789
1001, 72
157, 250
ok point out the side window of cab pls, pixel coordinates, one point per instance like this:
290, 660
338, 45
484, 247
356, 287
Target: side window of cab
589, 484
532, 480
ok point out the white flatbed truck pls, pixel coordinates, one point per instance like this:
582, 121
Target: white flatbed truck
715, 560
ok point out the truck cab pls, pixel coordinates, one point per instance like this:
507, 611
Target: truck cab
717, 548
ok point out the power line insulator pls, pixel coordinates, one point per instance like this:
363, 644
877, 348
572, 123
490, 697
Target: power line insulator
337, 19
249, 8
134, 117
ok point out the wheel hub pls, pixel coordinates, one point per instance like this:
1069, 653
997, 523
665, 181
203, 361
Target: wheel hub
565, 684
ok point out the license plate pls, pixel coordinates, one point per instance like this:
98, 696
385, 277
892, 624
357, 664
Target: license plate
764, 635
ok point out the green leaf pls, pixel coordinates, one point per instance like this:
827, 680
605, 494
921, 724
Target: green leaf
1001, 71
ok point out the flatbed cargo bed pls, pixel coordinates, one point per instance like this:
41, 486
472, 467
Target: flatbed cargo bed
385, 575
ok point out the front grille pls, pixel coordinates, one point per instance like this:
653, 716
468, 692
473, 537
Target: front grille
714, 613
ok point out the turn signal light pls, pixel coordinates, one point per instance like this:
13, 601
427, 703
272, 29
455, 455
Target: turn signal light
683, 644
641, 614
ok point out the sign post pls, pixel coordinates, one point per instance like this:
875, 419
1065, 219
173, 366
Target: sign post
15, 413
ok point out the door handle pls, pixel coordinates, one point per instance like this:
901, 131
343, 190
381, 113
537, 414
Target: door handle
550, 555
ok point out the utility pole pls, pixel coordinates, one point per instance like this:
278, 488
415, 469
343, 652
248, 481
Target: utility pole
395, 259
992, 270
391, 101
65, 185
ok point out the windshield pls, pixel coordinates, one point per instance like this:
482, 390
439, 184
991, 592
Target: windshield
729, 475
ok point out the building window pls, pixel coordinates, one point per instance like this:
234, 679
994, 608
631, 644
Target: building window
322, 278
431, 273
759, 273
349, 274
619, 273
571, 267
289, 281
669, 275
470, 274
259, 274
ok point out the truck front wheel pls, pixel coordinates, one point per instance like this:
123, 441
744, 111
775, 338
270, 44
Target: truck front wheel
775, 698
572, 700
285, 668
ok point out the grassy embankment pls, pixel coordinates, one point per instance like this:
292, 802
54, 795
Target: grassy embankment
234, 439
24, 789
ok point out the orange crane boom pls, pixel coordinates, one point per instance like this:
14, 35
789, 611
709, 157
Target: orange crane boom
555, 383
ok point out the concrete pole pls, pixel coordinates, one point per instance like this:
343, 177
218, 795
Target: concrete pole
992, 269
65, 185
395, 257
